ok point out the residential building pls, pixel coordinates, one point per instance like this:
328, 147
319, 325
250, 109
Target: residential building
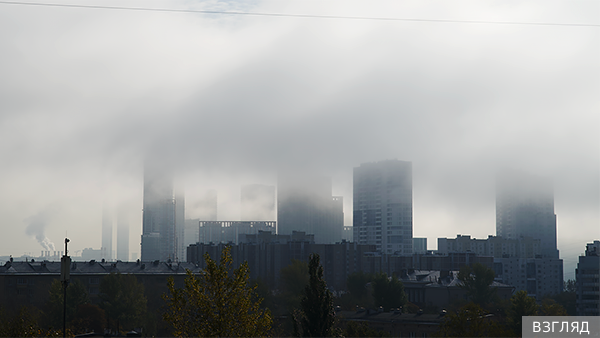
28, 283
159, 230
525, 208
107, 233
267, 253
540, 277
587, 280
229, 231
495, 246
305, 203
516, 261
383, 213
122, 235
420, 245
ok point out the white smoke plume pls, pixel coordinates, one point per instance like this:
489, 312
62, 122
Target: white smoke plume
37, 228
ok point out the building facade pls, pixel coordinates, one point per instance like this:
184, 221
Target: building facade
107, 234
540, 277
160, 215
495, 246
305, 203
267, 253
525, 208
516, 261
383, 213
587, 279
122, 235
230, 231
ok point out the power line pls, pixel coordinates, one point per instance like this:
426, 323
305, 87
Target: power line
296, 15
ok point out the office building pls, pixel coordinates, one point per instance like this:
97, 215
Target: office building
525, 208
587, 280
305, 203
257, 202
383, 206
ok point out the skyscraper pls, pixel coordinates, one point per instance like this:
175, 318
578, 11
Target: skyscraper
383, 206
122, 235
159, 233
258, 202
305, 203
525, 208
107, 233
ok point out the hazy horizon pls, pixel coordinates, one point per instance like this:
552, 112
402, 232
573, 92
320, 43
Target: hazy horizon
87, 94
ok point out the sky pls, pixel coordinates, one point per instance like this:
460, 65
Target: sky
87, 93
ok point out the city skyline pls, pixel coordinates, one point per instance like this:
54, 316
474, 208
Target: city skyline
231, 99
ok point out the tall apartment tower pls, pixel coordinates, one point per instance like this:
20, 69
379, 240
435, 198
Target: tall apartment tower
525, 208
122, 235
305, 203
107, 234
159, 230
383, 206
257, 202
586, 279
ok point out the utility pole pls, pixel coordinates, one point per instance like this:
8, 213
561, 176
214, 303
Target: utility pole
65, 274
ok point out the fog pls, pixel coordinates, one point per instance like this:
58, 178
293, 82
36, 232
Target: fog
228, 100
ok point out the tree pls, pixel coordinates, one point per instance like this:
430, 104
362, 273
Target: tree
477, 281
470, 321
219, 303
520, 305
123, 300
567, 299
24, 323
317, 316
293, 280
357, 284
388, 292
550, 307
89, 317
362, 329
76, 296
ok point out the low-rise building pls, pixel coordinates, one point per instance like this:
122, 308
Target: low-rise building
28, 283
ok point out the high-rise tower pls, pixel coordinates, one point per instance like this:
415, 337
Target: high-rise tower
159, 233
525, 208
122, 235
107, 234
383, 206
305, 203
